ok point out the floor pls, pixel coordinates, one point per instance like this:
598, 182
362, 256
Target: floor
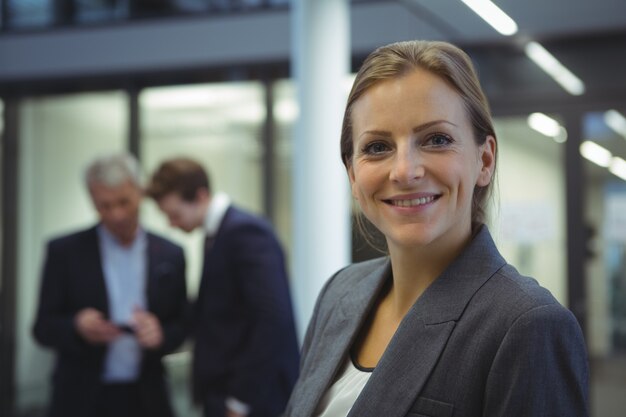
608, 387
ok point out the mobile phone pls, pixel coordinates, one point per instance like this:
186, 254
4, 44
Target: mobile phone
126, 328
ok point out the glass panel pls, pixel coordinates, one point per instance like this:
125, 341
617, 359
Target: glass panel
45, 13
58, 137
86, 11
604, 151
30, 13
528, 218
192, 5
219, 125
285, 113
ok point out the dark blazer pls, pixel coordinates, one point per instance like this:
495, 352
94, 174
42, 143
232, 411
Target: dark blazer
72, 280
245, 339
482, 340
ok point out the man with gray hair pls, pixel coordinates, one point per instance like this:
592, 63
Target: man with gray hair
112, 303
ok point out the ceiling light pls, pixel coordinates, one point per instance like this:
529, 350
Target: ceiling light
616, 121
562, 136
596, 154
545, 125
618, 167
493, 15
547, 62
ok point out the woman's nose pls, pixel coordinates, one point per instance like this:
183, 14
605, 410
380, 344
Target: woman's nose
408, 165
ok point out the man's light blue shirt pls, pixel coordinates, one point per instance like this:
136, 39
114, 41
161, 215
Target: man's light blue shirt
125, 271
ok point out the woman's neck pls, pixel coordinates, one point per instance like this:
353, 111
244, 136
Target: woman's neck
415, 269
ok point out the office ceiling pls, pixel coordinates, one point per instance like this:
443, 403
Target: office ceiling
537, 19
588, 37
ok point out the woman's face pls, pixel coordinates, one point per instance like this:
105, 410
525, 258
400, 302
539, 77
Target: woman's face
415, 162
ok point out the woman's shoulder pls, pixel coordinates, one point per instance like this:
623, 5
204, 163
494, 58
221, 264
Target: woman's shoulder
364, 276
358, 269
516, 295
511, 280
355, 272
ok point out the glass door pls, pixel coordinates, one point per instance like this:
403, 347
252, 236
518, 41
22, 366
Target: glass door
604, 153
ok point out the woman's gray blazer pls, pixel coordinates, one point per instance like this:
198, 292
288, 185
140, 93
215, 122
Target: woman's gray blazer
481, 341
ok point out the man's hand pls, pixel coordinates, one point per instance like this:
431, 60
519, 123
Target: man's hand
94, 328
147, 329
236, 408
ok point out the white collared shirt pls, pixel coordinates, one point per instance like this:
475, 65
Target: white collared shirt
215, 213
124, 269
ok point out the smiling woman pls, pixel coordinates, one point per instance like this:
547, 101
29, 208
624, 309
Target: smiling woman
443, 325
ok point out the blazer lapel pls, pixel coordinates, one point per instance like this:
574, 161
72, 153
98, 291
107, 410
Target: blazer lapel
92, 261
158, 266
422, 335
405, 366
331, 349
152, 260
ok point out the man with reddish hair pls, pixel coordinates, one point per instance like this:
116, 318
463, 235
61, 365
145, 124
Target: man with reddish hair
246, 353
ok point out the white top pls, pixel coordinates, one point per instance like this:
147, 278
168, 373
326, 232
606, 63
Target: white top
215, 213
342, 395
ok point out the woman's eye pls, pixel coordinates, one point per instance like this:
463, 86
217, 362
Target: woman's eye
438, 140
375, 148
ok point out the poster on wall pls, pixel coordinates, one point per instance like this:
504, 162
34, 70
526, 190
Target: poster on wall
528, 222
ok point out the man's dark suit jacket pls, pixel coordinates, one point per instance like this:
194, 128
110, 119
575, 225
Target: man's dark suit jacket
245, 339
72, 280
482, 340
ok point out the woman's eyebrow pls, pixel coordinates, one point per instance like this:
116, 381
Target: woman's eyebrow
426, 125
417, 129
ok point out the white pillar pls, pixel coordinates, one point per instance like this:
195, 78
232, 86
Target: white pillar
320, 57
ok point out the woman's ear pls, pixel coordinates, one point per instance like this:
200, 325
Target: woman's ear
487, 156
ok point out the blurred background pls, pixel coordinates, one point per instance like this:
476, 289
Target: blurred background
236, 84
